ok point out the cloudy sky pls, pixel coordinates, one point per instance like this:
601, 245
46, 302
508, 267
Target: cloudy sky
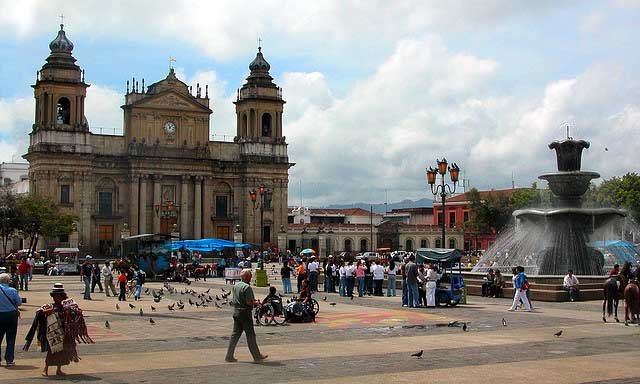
375, 90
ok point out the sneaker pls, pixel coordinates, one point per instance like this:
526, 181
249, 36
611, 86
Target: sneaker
511, 309
404, 305
261, 358
10, 364
231, 360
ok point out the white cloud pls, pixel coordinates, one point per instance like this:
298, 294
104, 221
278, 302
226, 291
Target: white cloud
16, 119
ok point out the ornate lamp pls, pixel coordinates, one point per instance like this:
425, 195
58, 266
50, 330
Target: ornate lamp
431, 176
442, 166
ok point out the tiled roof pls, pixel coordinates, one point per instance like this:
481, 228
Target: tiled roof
484, 194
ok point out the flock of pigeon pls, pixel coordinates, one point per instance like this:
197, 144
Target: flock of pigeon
199, 300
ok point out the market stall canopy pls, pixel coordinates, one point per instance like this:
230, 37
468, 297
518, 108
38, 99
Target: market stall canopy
437, 255
622, 251
206, 245
66, 250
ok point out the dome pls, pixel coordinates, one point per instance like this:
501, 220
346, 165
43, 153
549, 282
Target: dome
259, 64
61, 44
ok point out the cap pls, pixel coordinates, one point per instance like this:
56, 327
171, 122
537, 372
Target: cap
88, 257
58, 288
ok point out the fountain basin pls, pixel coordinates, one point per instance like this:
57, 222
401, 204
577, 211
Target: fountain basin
569, 186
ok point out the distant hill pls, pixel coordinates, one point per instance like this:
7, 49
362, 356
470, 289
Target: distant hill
380, 208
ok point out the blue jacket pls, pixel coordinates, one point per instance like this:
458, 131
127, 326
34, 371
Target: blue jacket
11, 301
520, 279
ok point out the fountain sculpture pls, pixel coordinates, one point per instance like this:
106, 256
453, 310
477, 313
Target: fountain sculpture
551, 241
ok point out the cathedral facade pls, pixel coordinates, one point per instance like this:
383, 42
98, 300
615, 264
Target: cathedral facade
162, 175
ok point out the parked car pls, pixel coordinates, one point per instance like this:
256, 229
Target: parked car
368, 256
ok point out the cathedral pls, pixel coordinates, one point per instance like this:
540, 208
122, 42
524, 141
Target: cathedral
162, 175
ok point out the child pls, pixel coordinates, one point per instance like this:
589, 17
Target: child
122, 281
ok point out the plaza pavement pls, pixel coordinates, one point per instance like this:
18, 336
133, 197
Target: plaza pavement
356, 341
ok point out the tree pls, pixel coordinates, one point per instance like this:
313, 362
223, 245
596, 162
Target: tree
620, 192
526, 198
9, 223
40, 216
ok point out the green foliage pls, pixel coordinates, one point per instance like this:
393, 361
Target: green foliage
41, 216
9, 220
525, 198
620, 192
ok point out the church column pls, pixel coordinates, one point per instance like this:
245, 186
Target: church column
87, 208
157, 202
143, 204
207, 200
278, 124
133, 210
197, 209
184, 206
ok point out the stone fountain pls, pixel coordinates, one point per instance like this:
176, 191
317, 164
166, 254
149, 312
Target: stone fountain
551, 241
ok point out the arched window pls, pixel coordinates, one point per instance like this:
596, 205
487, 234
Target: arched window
63, 113
266, 125
243, 131
347, 245
409, 245
363, 245
452, 243
424, 243
438, 243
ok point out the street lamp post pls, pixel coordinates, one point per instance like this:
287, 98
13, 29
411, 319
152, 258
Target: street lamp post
253, 194
443, 190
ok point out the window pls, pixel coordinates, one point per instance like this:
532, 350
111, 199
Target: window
465, 216
63, 111
440, 218
105, 206
267, 200
64, 194
363, 245
347, 245
266, 125
452, 219
423, 243
244, 125
266, 234
409, 246
452, 243
438, 243
221, 206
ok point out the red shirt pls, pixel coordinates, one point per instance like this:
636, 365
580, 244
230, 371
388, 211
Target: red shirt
23, 268
122, 278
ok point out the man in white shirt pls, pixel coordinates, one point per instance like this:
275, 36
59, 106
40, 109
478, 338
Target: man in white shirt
342, 272
32, 265
377, 271
107, 275
312, 267
571, 284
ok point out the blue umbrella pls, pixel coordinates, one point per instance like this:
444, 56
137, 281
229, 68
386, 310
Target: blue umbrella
307, 251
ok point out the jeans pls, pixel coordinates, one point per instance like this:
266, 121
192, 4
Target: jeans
368, 284
87, 286
30, 274
96, 281
243, 321
313, 281
405, 292
343, 286
335, 282
325, 286
8, 328
138, 291
24, 282
286, 284
391, 285
123, 291
360, 286
350, 283
413, 297
573, 293
377, 287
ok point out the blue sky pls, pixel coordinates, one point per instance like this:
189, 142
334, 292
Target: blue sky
375, 90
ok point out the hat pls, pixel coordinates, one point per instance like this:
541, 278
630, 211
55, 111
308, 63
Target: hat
58, 288
88, 257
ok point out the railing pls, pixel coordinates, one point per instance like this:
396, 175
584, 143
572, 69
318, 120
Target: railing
111, 131
218, 137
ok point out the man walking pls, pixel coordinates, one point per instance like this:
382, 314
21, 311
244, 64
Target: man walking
86, 271
243, 302
411, 270
313, 274
107, 275
23, 272
9, 314
95, 278
520, 291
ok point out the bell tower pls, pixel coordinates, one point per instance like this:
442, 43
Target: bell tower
60, 90
259, 105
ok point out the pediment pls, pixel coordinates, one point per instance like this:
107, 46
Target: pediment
171, 100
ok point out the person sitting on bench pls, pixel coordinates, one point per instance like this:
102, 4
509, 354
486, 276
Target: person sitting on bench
488, 283
571, 284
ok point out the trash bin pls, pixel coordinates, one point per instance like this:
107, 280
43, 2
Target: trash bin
261, 278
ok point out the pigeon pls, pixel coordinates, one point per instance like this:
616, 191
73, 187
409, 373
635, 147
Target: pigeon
324, 298
217, 298
191, 302
107, 325
153, 308
453, 323
146, 291
207, 291
558, 334
223, 290
418, 354
198, 304
504, 322
151, 321
171, 306
464, 327
181, 307
332, 304
606, 149
156, 300
216, 304
131, 306
117, 307
141, 313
